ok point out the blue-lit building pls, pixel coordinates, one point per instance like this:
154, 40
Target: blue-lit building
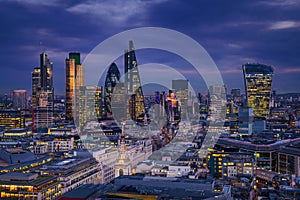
112, 79
136, 108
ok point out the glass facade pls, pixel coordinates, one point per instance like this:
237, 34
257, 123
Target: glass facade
11, 119
43, 93
258, 83
133, 86
112, 79
74, 80
90, 104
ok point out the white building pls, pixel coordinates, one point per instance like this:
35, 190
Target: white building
178, 170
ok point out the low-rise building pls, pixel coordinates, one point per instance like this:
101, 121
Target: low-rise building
178, 170
17, 185
74, 172
238, 165
226, 164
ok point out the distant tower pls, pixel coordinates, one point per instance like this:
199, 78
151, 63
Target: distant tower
180, 88
119, 103
36, 83
74, 80
172, 108
112, 79
19, 98
136, 108
43, 93
258, 84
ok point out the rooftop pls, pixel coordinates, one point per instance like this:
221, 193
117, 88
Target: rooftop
29, 179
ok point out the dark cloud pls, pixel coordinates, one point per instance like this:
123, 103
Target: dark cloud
232, 32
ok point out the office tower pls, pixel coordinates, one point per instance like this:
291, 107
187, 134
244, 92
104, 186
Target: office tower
217, 96
74, 80
136, 108
258, 84
180, 88
36, 82
90, 104
219, 90
46, 72
246, 117
19, 98
172, 108
112, 79
119, 103
43, 93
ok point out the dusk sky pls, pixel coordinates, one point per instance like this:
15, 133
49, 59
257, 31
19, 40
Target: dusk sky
233, 33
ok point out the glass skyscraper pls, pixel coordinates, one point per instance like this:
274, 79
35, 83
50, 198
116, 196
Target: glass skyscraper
112, 79
180, 87
74, 80
136, 107
90, 104
43, 93
258, 84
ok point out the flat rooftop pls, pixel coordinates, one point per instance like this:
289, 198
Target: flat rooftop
26, 179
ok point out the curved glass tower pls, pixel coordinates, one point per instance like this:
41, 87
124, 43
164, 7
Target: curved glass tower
111, 80
258, 84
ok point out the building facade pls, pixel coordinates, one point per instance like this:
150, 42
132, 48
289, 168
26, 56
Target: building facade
180, 88
258, 84
43, 93
112, 79
74, 80
17, 185
90, 104
11, 119
134, 92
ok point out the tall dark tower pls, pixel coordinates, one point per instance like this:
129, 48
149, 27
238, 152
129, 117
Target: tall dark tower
46, 71
258, 84
112, 79
136, 105
43, 93
35, 85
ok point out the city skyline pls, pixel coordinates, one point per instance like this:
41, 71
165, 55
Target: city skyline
256, 32
149, 99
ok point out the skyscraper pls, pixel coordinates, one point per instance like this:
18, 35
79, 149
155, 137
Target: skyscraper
90, 104
217, 98
258, 84
119, 102
112, 79
136, 106
180, 87
43, 93
74, 80
19, 98
36, 82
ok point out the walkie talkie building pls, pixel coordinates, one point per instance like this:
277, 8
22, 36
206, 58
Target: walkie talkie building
258, 85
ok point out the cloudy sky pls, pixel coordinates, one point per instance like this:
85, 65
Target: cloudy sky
232, 32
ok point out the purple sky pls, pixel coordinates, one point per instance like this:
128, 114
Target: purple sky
233, 33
